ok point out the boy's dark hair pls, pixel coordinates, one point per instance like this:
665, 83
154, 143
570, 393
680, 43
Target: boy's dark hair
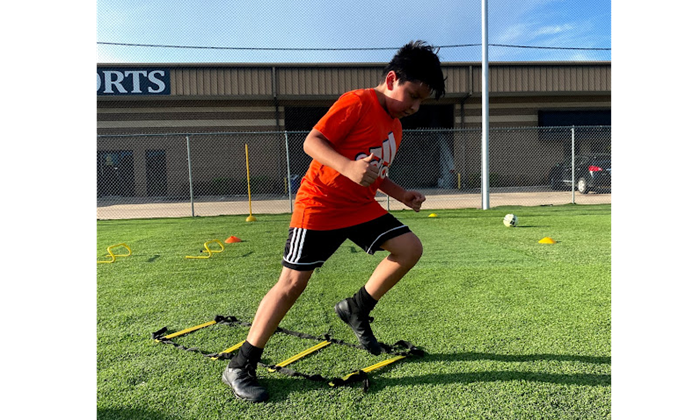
418, 62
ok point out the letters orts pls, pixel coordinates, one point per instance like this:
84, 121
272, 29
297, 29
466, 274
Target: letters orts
133, 81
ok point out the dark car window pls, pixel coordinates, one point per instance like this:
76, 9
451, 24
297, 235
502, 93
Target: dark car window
603, 163
582, 160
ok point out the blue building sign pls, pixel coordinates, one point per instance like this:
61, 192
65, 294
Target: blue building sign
133, 81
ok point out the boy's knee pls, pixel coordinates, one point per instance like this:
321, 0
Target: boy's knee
293, 282
416, 250
408, 249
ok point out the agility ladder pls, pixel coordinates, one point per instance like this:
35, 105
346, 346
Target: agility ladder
399, 350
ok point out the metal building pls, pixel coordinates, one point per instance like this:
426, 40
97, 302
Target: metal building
206, 98
137, 99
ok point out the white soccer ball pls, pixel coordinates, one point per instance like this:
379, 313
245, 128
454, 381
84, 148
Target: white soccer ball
510, 220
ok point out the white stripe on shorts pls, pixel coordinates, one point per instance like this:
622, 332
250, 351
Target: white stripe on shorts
380, 236
296, 245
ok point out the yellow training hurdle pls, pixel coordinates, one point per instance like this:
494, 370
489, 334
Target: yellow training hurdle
113, 256
208, 250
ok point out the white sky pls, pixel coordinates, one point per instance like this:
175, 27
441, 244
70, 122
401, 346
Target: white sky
348, 24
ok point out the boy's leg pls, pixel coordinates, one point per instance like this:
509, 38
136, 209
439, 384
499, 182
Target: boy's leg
305, 250
275, 305
240, 373
404, 252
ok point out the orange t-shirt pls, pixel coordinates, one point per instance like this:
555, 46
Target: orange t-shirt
356, 125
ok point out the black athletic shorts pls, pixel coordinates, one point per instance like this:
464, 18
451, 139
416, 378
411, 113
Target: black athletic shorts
308, 249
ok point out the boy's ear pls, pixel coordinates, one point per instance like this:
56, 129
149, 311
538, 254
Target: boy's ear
390, 80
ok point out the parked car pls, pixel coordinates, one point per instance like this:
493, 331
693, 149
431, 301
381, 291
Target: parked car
592, 172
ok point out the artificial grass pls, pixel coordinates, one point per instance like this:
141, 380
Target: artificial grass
511, 328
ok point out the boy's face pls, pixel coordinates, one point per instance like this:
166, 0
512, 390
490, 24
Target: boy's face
403, 98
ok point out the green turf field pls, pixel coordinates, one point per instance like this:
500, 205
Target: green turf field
512, 329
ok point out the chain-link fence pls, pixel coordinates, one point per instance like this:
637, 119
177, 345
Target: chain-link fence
187, 175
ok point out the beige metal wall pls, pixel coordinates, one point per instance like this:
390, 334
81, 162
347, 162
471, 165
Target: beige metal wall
331, 80
246, 82
168, 116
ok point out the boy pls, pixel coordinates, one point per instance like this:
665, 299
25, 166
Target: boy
352, 147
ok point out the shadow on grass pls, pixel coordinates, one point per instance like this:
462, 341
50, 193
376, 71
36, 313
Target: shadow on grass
280, 387
129, 413
586, 379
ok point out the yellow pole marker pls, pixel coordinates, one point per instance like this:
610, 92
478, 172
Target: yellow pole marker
250, 218
229, 350
306, 352
188, 330
208, 250
114, 256
371, 368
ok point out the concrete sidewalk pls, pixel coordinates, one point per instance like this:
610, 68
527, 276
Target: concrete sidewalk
435, 200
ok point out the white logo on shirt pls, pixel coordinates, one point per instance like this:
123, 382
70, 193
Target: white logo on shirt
386, 154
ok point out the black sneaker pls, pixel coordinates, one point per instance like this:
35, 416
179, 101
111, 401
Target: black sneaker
244, 383
359, 324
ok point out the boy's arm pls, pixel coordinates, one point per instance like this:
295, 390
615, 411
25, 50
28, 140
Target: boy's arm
412, 199
360, 171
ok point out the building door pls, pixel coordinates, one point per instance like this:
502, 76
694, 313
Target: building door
426, 156
156, 173
115, 173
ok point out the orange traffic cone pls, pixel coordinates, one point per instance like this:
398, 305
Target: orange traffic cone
232, 239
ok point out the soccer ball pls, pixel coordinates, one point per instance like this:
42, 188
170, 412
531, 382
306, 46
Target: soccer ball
510, 220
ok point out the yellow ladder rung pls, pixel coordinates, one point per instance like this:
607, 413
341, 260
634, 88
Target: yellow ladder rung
382, 364
300, 355
371, 368
189, 330
229, 350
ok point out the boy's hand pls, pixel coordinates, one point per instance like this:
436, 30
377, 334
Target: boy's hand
363, 171
414, 200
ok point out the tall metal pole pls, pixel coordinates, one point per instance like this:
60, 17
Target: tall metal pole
573, 165
484, 105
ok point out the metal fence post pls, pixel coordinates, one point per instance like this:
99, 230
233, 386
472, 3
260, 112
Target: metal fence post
289, 172
189, 171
